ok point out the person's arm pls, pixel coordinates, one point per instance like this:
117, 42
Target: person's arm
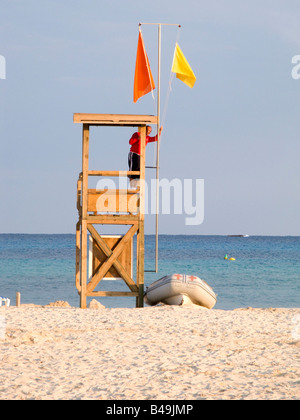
134, 139
154, 138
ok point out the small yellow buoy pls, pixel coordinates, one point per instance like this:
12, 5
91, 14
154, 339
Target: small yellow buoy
231, 259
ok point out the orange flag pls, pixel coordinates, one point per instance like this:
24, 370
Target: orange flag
143, 79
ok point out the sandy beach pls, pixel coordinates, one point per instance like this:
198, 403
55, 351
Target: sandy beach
151, 353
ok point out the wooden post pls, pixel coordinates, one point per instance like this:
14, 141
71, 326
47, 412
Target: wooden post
140, 277
142, 172
77, 254
18, 299
84, 253
141, 241
85, 167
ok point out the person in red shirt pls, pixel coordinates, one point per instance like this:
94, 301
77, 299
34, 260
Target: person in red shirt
135, 151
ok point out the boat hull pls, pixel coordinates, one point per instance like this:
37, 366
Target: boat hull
180, 289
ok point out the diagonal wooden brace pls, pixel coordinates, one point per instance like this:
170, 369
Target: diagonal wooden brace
108, 252
112, 259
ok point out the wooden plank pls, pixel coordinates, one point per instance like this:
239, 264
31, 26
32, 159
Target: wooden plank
96, 191
113, 173
113, 219
111, 293
114, 119
114, 201
108, 263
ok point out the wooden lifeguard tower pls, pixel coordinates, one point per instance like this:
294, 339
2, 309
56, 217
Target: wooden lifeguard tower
110, 207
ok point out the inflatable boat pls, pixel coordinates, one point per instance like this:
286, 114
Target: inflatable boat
180, 289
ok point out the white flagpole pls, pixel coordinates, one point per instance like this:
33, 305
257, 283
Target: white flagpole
158, 140
157, 153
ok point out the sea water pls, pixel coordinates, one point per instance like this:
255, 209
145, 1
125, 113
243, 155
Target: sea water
265, 272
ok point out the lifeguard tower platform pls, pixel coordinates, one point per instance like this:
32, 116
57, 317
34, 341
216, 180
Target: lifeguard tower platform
111, 256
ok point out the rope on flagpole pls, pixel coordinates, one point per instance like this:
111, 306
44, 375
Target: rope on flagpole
166, 102
169, 89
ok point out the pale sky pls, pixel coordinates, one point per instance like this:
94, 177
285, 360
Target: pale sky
237, 129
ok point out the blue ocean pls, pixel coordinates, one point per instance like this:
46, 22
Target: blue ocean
265, 272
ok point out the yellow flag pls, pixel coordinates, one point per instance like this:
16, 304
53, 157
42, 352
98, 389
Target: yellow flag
182, 68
